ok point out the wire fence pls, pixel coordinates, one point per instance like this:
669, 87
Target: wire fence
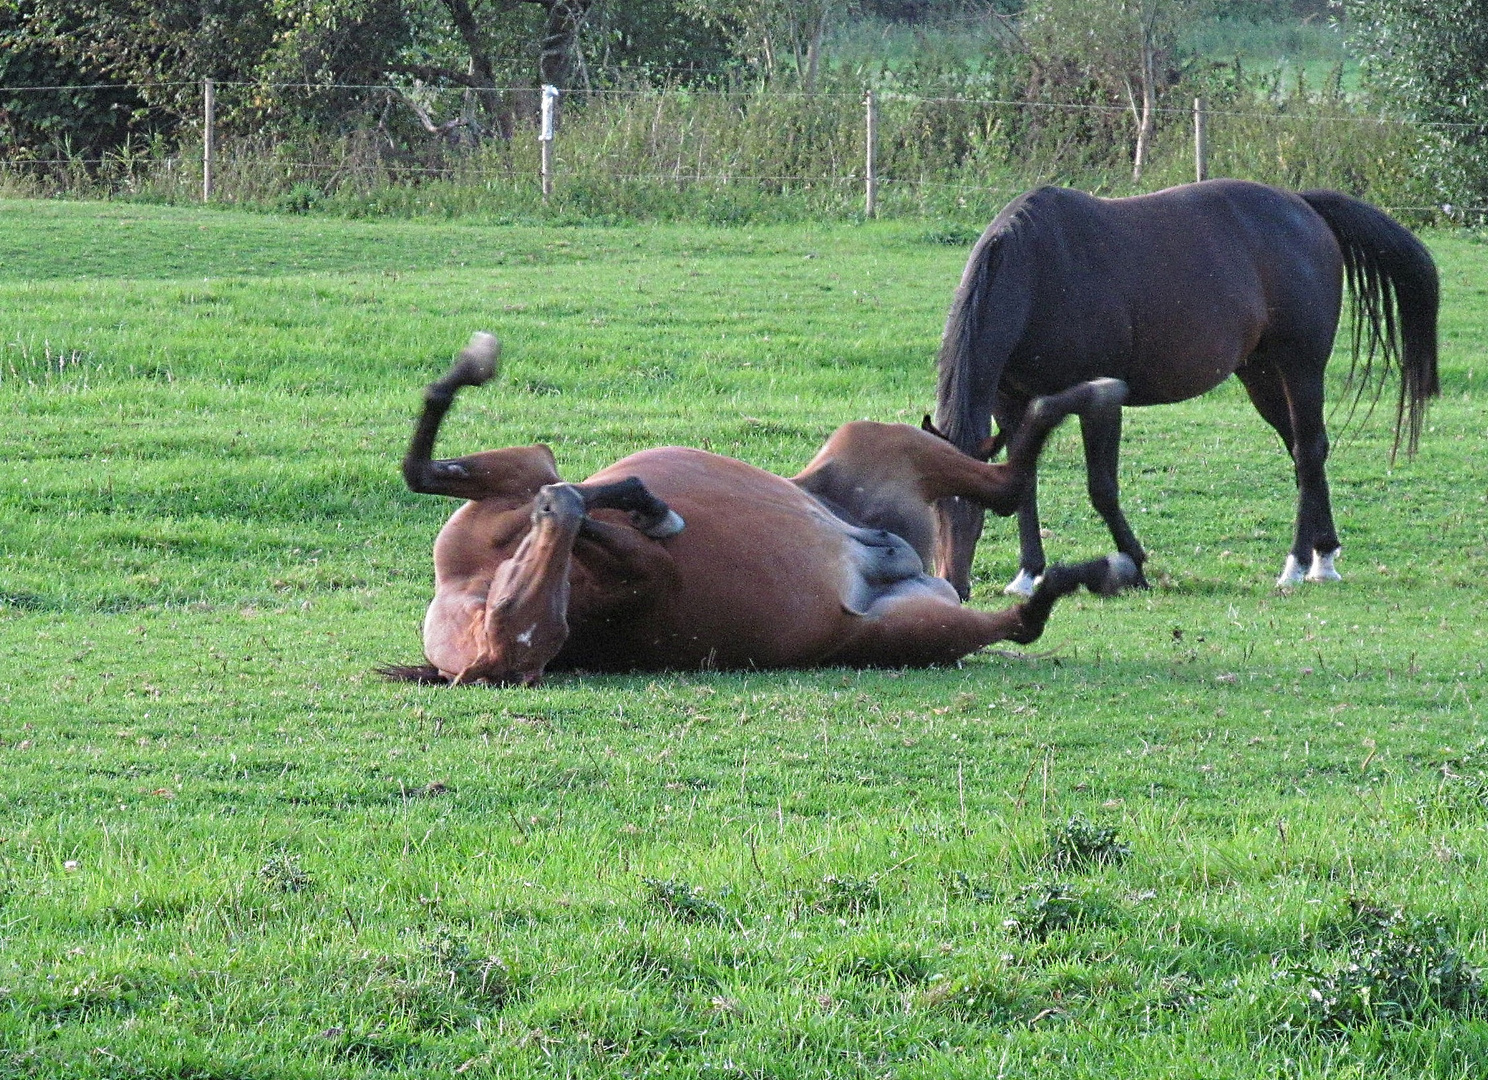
622, 150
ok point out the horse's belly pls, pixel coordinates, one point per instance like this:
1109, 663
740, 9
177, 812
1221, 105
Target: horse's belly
761, 571
1177, 382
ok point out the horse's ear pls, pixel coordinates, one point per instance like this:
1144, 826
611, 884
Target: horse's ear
927, 425
987, 449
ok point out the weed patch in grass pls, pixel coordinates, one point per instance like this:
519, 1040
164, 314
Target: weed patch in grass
684, 902
1079, 845
1391, 967
1042, 908
283, 872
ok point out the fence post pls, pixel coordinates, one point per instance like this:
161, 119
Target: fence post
209, 135
870, 197
1201, 140
545, 137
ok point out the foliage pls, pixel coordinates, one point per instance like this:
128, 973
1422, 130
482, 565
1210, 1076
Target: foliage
43, 122
774, 36
1126, 48
1429, 59
1078, 845
1396, 968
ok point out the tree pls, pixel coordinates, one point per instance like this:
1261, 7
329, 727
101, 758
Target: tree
771, 33
81, 115
1125, 46
1429, 59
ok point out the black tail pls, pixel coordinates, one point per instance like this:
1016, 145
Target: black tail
414, 673
986, 318
1394, 294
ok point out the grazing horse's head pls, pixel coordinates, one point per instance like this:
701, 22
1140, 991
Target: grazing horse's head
958, 527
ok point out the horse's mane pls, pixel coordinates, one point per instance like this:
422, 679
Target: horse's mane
969, 337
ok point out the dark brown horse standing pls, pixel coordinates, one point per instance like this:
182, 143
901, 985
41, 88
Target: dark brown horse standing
676, 558
1172, 293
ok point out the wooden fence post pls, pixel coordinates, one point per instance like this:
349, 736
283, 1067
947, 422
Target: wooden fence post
209, 136
1201, 140
870, 197
545, 137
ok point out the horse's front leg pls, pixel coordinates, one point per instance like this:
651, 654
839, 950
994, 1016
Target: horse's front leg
476, 365
647, 513
1097, 402
1101, 434
1031, 558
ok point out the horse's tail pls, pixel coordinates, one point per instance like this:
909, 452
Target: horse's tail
1394, 293
973, 351
414, 673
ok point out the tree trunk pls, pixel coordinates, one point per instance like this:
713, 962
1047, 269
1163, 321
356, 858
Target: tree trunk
1145, 122
813, 49
560, 36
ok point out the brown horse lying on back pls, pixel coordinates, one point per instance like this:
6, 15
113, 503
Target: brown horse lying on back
675, 558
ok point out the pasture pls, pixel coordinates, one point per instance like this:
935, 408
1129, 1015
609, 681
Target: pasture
227, 849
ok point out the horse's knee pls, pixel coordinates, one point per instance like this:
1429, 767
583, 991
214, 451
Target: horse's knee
1105, 494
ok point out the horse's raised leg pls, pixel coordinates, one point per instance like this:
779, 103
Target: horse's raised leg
1101, 435
647, 513
476, 365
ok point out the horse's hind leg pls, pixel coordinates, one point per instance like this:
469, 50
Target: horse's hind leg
1295, 409
918, 625
1101, 434
1316, 538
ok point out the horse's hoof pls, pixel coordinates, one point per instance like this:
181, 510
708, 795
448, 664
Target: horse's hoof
478, 360
1322, 566
1022, 585
1122, 573
1291, 574
670, 525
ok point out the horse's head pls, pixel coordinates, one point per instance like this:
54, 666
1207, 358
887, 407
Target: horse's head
958, 526
526, 617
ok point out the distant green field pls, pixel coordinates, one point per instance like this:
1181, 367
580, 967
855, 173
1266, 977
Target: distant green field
228, 850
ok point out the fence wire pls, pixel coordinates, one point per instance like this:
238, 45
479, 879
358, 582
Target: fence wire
927, 142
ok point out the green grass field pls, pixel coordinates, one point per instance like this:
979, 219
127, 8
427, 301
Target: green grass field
227, 849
